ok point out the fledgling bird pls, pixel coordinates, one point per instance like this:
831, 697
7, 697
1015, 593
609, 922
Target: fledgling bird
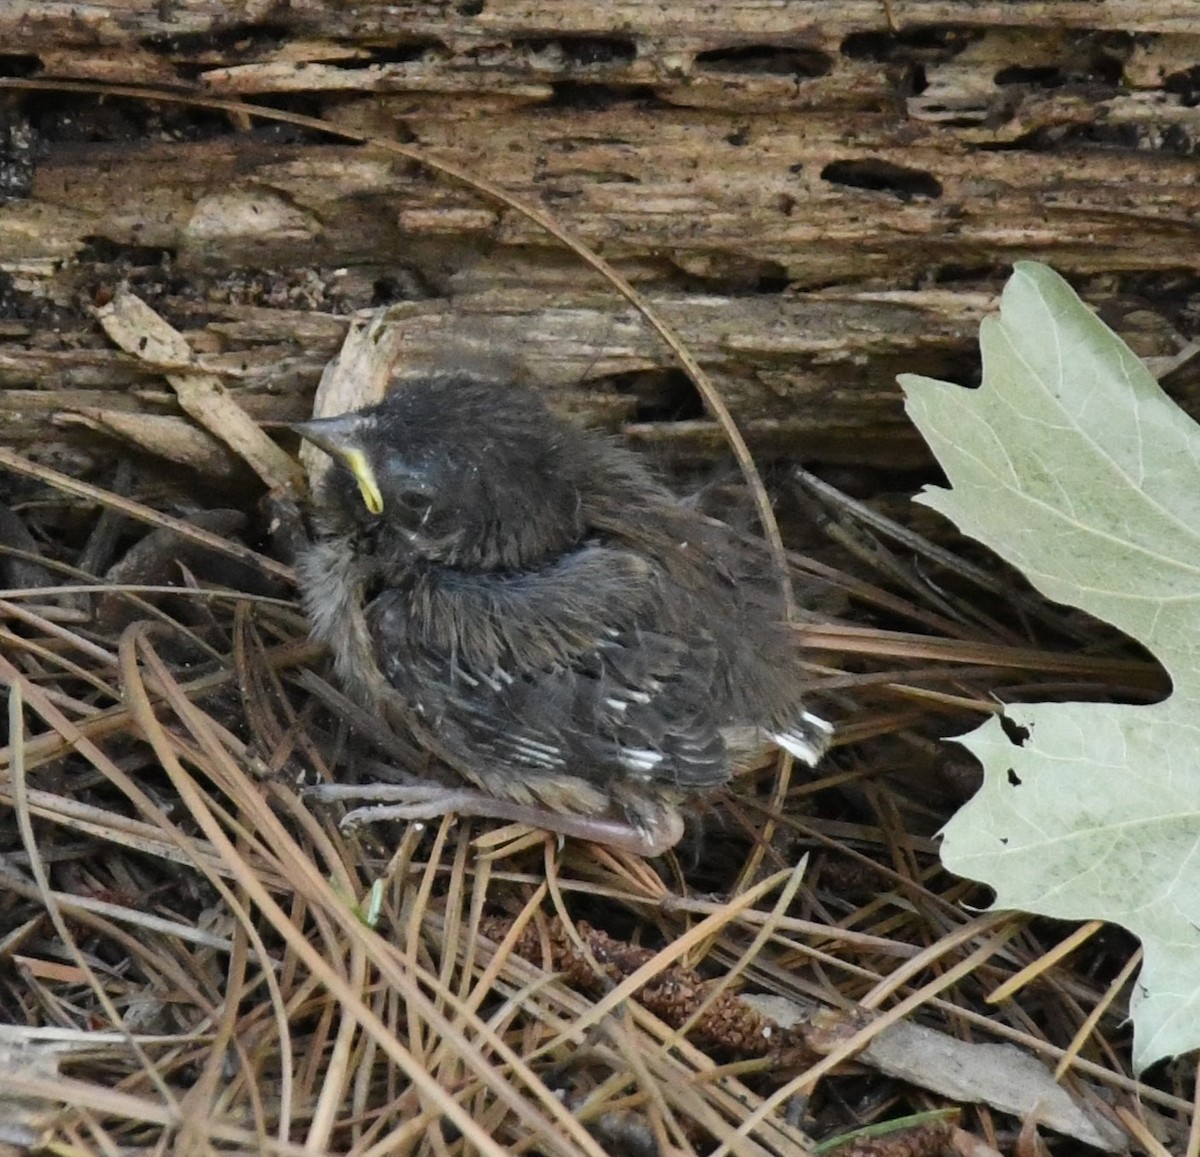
544, 615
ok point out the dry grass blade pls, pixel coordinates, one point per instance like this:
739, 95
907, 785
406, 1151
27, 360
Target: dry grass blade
20, 465
301, 870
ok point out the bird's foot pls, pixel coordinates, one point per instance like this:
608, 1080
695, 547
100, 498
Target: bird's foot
416, 802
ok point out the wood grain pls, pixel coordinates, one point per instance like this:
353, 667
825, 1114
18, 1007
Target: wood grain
818, 194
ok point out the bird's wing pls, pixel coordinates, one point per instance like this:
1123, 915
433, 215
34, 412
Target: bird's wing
585, 668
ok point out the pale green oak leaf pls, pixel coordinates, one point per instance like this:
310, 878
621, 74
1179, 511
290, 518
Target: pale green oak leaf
1071, 463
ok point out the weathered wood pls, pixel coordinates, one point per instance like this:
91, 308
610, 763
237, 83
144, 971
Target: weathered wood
816, 198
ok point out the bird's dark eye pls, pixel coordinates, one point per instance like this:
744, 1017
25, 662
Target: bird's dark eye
412, 499
407, 484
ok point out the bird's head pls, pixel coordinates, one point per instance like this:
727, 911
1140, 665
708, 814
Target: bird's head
456, 471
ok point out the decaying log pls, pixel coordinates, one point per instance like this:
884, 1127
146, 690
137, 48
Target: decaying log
817, 194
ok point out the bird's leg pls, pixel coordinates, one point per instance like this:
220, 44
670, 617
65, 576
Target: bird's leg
656, 835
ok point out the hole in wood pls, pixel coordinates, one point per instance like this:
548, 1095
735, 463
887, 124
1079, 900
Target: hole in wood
882, 177
929, 45
19, 64
593, 97
766, 60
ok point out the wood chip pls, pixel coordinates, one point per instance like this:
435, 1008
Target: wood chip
138, 330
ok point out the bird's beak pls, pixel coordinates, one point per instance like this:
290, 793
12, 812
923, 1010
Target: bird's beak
342, 437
